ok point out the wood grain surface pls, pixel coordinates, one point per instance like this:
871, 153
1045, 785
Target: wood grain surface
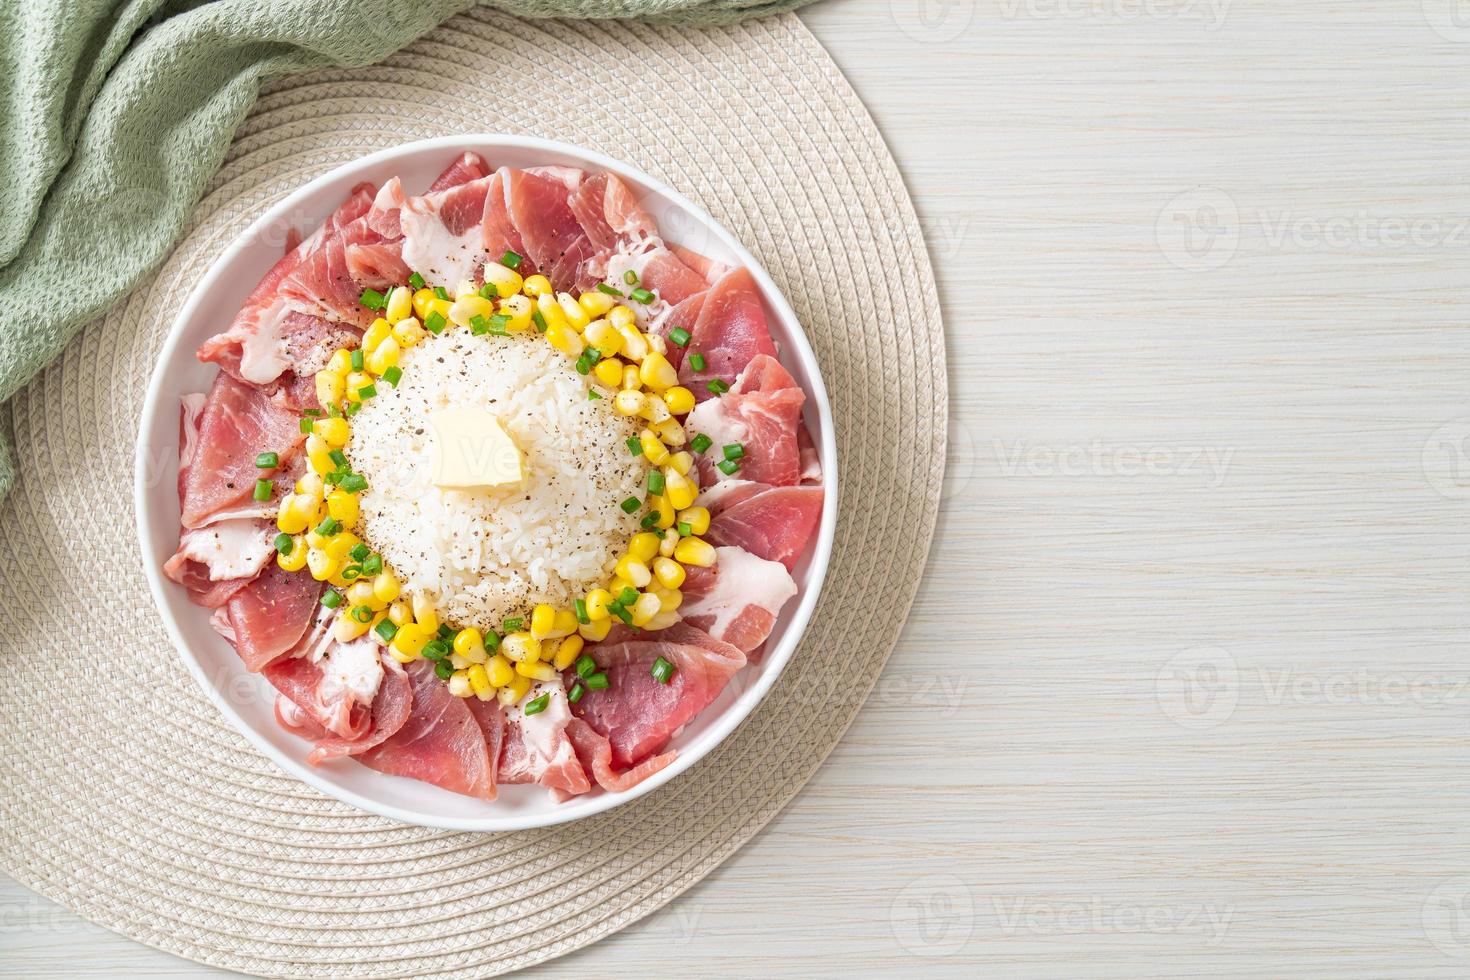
1185, 691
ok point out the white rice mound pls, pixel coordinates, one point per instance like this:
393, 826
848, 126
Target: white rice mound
481, 556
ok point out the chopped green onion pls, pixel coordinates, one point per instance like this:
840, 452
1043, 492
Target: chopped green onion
263, 489
338, 456
372, 564
680, 336
718, 386
328, 527
621, 612
510, 260
435, 322
727, 466
488, 291
696, 361
284, 543
655, 481
585, 666
268, 460
333, 478
628, 596
314, 413
540, 321
538, 704
580, 606
306, 425
603, 287
353, 408
734, 450
635, 446
498, 324
649, 520
593, 396
701, 442
630, 277
598, 682
358, 359
352, 573
479, 326
416, 281
436, 649
387, 629
445, 633
441, 292
684, 529
354, 483
331, 598
333, 411
583, 365
393, 375
630, 505
363, 614
641, 295
359, 551
662, 671
512, 624
444, 670
367, 391
575, 694
492, 640
372, 299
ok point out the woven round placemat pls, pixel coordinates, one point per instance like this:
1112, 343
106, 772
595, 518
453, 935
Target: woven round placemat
128, 798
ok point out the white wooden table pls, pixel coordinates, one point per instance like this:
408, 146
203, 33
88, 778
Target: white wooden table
1186, 689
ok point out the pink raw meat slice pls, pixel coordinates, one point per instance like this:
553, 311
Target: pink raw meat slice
545, 755
236, 423
738, 598
270, 615
595, 753
298, 343
491, 719
469, 166
213, 563
440, 743
332, 275
761, 413
682, 315
667, 275
299, 679
731, 331
636, 713
529, 209
386, 715
609, 212
773, 523
443, 237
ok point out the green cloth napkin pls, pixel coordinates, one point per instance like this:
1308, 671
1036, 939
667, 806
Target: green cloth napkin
115, 113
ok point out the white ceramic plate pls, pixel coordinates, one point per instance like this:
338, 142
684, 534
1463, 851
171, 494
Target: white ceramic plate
246, 699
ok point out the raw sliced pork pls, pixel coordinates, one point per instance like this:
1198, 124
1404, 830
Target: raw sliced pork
237, 421
774, 523
731, 331
440, 743
738, 598
271, 614
762, 413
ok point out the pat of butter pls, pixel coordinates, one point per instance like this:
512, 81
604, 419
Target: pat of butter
472, 451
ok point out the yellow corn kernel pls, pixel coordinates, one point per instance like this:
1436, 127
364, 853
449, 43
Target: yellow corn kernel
537, 671
657, 373
343, 506
345, 628
655, 411
377, 332
597, 303
480, 682
295, 513
330, 387
410, 638
400, 613
564, 339
566, 623
514, 691
622, 317
696, 517
629, 403
643, 546
384, 356
386, 586
543, 621
681, 463
466, 288
507, 281
662, 621
663, 509
459, 684
656, 344
600, 334
631, 381
295, 559
670, 574
567, 652
669, 599
470, 644
680, 490
333, 431
634, 571
536, 286
360, 593
653, 448
679, 399
645, 608
595, 631
466, 308
340, 362
338, 545
321, 565
572, 310
499, 671
423, 612
551, 312
609, 372
521, 647
670, 432
421, 301
409, 332
519, 309
597, 602
400, 304
310, 485
635, 345
695, 551
356, 381
618, 584
441, 307
666, 543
